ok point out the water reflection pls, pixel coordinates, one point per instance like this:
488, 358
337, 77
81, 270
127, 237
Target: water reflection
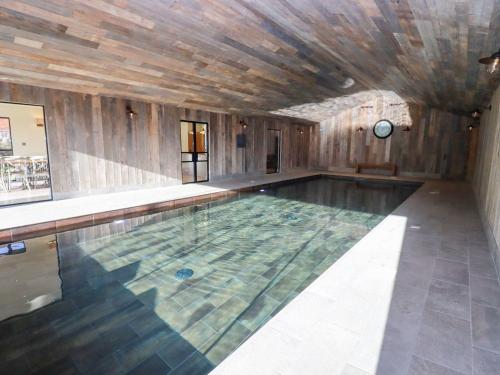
29, 274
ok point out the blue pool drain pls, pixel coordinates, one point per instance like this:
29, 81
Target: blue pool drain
184, 274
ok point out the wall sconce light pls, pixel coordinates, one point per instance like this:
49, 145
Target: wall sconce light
470, 127
243, 124
130, 113
301, 131
406, 128
492, 62
39, 122
359, 130
476, 114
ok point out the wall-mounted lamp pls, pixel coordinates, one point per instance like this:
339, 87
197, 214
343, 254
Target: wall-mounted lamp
301, 131
243, 124
359, 130
492, 62
39, 122
130, 113
470, 127
476, 114
406, 128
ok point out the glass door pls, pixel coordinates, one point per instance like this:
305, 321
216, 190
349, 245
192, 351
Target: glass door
194, 151
273, 141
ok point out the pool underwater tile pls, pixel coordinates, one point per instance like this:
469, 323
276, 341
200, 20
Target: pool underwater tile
228, 341
152, 365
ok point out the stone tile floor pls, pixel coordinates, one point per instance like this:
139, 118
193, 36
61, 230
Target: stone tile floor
124, 311
419, 295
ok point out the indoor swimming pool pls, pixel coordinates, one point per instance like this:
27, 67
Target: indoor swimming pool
176, 292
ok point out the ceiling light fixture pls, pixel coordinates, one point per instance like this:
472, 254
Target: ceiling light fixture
492, 62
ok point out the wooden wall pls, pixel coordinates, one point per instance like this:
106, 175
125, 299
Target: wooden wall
436, 145
95, 148
486, 180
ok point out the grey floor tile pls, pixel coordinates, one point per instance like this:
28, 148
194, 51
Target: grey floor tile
451, 271
453, 251
485, 362
483, 267
446, 341
485, 291
449, 298
476, 250
486, 327
414, 274
420, 366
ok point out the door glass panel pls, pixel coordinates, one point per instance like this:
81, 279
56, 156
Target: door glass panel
203, 157
186, 156
187, 172
201, 137
187, 139
273, 140
202, 171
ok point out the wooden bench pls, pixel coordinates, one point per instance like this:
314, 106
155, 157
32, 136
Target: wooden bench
392, 168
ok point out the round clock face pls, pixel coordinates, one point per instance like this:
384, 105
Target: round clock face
383, 129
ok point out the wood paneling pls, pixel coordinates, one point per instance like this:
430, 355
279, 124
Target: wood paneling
487, 174
94, 147
435, 146
252, 55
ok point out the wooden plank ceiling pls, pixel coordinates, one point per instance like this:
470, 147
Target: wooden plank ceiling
253, 56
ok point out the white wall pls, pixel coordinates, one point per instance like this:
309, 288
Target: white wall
27, 138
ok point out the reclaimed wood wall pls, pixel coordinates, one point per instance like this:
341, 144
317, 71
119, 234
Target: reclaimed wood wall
436, 145
486, 180
94, 147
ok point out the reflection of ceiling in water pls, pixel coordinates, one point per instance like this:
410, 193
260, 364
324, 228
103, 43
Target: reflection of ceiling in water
332, 106
29, 280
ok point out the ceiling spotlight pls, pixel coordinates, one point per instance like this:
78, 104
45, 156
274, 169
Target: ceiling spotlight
476, 114
492, 62
130, 113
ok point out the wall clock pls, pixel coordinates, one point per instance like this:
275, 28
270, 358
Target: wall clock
383, 129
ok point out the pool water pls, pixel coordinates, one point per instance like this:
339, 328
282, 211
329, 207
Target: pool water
177, 292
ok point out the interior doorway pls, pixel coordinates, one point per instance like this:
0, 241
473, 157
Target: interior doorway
24, 162
194, 151
273, 155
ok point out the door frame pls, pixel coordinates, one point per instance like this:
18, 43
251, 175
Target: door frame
193, 122
278, 159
